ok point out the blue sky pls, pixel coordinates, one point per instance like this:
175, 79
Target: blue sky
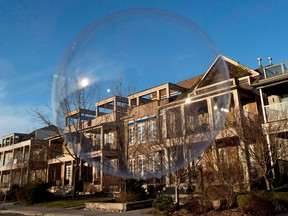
35, 34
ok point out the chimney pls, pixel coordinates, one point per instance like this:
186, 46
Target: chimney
259, 62
270, 61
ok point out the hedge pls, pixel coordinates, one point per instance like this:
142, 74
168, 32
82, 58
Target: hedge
266, 203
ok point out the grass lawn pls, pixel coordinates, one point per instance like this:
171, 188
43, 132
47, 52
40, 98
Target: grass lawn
69, 202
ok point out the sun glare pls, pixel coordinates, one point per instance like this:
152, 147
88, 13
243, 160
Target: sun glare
84, 83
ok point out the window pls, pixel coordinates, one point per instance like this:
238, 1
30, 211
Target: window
1, 159
109, 165
108, 139
174, 123
141, 165
8, 158
155, 160
54, 174
26, 155
141, 136
152, 131
131, 134
223, 156
176, 155
191, 119
68, 172
132, 165
245, 110
97, 174
97, 140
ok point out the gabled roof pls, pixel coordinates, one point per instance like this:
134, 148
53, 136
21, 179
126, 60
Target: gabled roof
216, 72
190, 85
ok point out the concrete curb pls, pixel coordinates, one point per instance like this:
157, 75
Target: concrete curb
39, 211
36, 213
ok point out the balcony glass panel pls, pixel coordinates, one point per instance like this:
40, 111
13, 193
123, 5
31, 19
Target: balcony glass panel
276, 112
276, 70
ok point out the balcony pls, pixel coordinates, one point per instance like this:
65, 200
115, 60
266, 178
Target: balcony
275, 70
105, 118
276, 112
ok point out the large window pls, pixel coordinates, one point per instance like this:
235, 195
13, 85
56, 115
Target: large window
196, 117
191, 119
8, 158
152, 131
141, 133
155, 161
132, 165
96, 140
141, 165
108, 139
131, 134
174, 123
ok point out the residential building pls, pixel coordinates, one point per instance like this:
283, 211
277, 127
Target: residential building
273, 90
158, 130
23, 157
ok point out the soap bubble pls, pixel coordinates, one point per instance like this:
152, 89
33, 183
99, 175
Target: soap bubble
124, 96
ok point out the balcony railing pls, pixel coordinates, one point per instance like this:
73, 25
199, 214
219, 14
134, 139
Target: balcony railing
276, 70
215, 87
276, 112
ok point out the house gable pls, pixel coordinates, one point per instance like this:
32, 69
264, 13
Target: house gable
216, 72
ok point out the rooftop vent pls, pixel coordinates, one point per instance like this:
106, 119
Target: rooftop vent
259, 62
270, 61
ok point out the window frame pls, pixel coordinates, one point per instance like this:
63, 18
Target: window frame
131, 135
141, 134
152, 131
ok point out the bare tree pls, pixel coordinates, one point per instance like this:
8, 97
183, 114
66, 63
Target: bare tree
37, 164
74, 105
223, 172
264, 146
183, 136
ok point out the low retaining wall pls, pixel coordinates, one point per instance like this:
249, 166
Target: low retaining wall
121, 207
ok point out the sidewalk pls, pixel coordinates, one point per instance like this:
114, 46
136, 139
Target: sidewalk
39, 211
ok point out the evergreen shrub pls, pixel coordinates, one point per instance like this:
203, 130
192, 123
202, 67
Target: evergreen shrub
36, 192
163, 203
